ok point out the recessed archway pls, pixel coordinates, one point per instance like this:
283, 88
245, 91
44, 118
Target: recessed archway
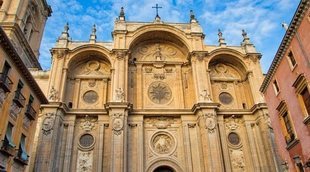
164, 169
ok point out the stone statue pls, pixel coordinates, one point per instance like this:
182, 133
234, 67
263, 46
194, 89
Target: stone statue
205, 96
119, 95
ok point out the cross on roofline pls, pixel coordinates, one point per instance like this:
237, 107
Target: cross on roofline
157, 9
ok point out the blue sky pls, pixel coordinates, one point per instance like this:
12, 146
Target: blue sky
260, 18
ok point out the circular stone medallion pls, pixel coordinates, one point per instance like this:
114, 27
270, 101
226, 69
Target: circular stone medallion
159, 92
225, 98
162, 143
90, 97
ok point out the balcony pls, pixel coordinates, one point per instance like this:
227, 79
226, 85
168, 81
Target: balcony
5, 82
289, 138
19, 99
22, 156
7, 147
30, 112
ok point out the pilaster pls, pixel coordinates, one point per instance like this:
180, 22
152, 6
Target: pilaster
209, 130
118, 112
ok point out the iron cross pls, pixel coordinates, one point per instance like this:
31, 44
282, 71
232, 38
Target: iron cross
157, 9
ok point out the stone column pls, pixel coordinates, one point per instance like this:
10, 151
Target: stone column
118, 112
102, 126
50, 138
63, 85
120, 73
187, 146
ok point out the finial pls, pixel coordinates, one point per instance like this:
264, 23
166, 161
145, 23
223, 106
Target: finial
122, 14
192, 17
65, 35
221, 39
285, 25
93, 35
246, 42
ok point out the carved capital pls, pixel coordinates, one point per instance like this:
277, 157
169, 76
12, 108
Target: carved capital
59, 53
199, 55
120, 54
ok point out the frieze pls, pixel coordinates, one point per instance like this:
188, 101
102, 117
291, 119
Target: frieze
160, 122
48, 123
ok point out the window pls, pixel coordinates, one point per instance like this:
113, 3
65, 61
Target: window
302, 91
22, 149
5, 81
286, 123
19, 98
291, 60
9, 131
30, 111
276, 87
8, 146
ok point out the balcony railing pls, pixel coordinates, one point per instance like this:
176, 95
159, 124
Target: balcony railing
30, 112
289, 138
5, 82
22, 156
7, 147
19, 99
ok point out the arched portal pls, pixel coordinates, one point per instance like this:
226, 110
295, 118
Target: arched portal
164, 169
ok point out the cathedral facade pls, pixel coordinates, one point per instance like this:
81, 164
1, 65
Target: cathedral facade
155, 99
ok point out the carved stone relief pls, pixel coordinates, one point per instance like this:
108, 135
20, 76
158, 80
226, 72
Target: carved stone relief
232, 123
162, 143
117, 123
119, 95
53, 95
160, 122
87, 124
159, 92
222, 71
85, 161
237, 159
210, 122
204, 96
48, 123
157, 52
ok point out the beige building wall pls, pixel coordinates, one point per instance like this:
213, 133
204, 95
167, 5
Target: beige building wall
154, 98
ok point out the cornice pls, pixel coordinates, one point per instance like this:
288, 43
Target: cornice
289, 35
20, 66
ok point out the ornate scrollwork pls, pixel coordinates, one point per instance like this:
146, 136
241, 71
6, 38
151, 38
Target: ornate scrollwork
87, 124
232, 123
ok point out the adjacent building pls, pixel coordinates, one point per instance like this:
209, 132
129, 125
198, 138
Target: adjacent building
21, 28
155, 99
287, 92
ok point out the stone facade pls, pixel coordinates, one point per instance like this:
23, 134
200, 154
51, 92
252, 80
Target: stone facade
290, 70
155, 98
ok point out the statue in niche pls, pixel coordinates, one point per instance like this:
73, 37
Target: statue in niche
205, 96
158, 54
119, 95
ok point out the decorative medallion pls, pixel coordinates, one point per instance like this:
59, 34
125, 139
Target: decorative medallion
210, 120
90, 97
225, 98
86, 141
48, 123
118, 123
93, 65
162, 143
159, 92
233, 138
